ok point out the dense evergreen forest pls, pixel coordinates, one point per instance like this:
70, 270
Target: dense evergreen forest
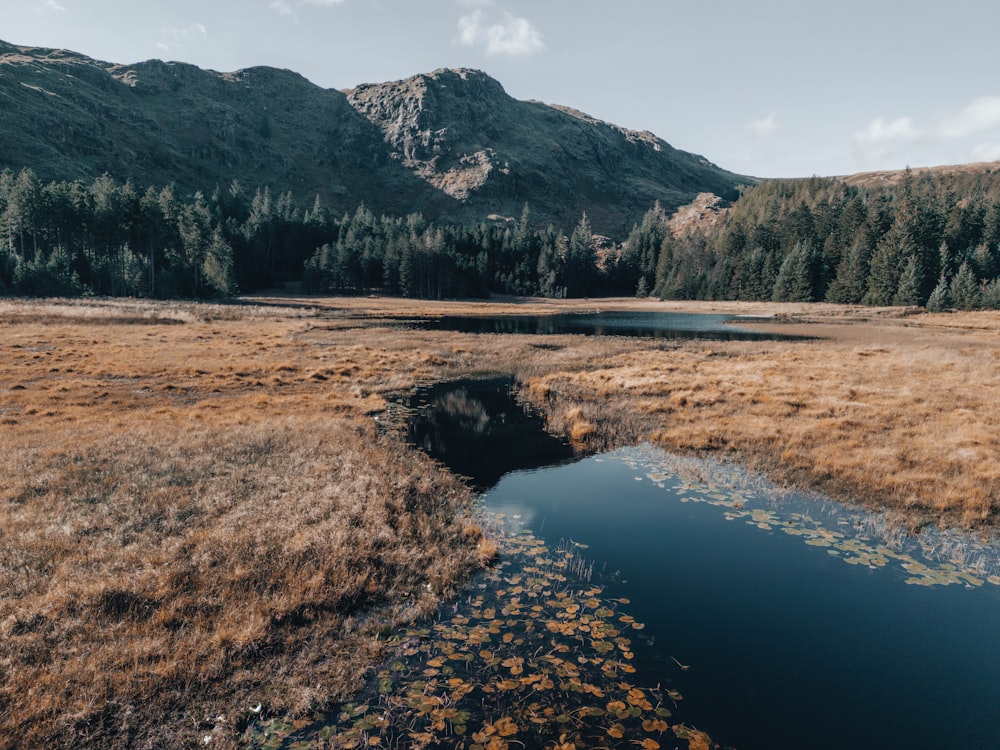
926, 239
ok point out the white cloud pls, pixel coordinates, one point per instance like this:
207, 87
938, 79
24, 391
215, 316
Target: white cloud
177, 38
971, 132
884, 142
881, 131
281, 8
514, 36
53, 6
979, 115
322, 3
764, 126
985, 152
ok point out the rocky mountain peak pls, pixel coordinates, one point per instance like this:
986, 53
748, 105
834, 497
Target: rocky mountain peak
439, 124
420, 114
450, 143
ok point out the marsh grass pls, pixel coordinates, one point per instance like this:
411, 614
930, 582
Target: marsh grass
186, 535
898, 418
210, 570
200, 513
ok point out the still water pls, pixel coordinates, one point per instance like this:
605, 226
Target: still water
786, 621
614, 323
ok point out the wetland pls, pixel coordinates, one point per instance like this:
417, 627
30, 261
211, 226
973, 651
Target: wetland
215, 508
781, 604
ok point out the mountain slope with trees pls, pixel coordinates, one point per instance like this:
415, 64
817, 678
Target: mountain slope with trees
451, 145
916, 238
462, 133
69, 117
162, 179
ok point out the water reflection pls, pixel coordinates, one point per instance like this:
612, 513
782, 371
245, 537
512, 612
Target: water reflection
659, 325
480, 431
785, 620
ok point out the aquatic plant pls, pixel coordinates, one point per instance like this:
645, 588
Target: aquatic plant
535, 657
934, 557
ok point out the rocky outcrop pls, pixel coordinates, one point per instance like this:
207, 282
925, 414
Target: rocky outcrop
462, 133
706, 213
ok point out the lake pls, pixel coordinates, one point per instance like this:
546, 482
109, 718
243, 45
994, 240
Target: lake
661, 325
801, 623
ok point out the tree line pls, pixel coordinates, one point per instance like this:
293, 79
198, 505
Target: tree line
927, 239
416, 258
110, 238
923, 240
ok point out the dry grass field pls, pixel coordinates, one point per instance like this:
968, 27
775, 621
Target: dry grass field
898, 412
201, 511
198, 515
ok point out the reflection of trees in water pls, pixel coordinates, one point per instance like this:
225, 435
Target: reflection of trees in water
478, 429
468, 413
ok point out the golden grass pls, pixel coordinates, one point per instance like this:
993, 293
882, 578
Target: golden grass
200, 511
197, 518
900, 414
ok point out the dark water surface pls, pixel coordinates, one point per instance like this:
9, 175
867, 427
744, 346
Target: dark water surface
787, 647
649, 324
785, 644
480, 431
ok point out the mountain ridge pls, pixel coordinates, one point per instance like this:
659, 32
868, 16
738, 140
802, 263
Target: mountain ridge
451, 144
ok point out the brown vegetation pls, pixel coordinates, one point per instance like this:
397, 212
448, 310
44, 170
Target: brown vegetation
896, 176
201, 512
197, 518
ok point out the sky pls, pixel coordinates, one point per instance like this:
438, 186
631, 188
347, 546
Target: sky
768, 88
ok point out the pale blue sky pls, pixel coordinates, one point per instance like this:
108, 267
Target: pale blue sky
761, 87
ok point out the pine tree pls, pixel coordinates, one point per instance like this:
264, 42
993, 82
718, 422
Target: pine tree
754, 286
886, 267
664, 264
217, 268
986, 261
964, 290
991, 295
550, 266
940, 299
908, 293
851, 282
795, 277
581, 261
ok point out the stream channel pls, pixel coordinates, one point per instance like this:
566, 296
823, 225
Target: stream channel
786, 621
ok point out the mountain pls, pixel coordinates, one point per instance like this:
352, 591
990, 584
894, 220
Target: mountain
451, 144
68, 116
462, 133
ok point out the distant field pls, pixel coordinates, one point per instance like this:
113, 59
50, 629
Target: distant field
201, 512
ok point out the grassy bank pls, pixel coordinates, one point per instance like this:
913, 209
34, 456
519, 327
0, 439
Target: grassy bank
201, 512
900, 414
198, 516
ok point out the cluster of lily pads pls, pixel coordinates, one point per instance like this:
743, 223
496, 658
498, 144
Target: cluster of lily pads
536, 657
932, 558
